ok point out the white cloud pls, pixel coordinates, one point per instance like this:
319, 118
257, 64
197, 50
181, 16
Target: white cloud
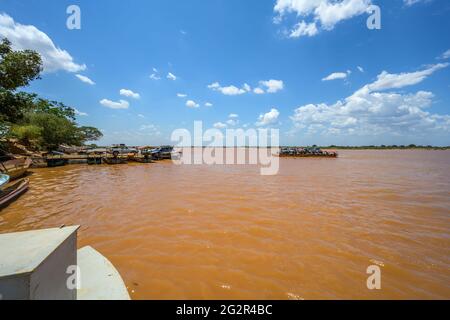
233, 116
141, 115
361, 69
25, 37
171, 76
129, 94
208, 104
155, 76
396, 81
181, 95
336, 76
229, 91
322, 14
232, 122
272, 86
412, 2
121, 104
258, 91
304, 29
445, 55
268, 118
85, 79
192, 104
371, 112
220, 125
81, 114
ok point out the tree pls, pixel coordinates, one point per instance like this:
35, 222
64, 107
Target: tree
18, 68
36, 122
90, 134
54, 130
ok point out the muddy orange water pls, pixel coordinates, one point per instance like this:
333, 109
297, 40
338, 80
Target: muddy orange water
226, 232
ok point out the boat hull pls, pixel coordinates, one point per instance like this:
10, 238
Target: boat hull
16, 168
11, 193
114, 161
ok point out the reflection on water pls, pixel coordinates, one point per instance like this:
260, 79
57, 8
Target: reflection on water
226, 232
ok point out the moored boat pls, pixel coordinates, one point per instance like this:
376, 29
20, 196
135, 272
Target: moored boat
4, 179
15, 168
12, 192
313, 152
114, 160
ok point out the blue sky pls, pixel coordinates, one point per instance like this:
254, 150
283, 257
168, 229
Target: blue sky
311, 68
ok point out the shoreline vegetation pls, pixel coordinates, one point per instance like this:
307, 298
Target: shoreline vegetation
34, 122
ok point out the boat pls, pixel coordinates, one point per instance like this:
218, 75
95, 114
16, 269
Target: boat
15, 168
12, 192
144, 159
46, 265
313, 152
92, 160
165, 152
114, 160
4, 179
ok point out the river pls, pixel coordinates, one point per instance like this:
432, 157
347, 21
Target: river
227, 232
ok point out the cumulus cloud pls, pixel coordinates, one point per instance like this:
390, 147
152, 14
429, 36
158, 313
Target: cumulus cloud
25, 37
371, 111
228, 91
171, 76
258, 91
304, 29
317, 15
208, 104
181, 95
121, 104
85, 79
192, 104
220, 125
336, 76
129, 94
268, 118
271, 86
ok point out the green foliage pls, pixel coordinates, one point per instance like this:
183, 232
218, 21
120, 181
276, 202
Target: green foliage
54, 130
18, 68
34, 121
28, 134
90, 133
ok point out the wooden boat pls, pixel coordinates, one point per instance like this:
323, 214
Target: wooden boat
94, 160
15, 168
4, 179
11, 193
144, 159
114, 161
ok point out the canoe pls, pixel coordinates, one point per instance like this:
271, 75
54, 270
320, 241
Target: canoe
4, 179
114, 161
11, 193
15, 168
